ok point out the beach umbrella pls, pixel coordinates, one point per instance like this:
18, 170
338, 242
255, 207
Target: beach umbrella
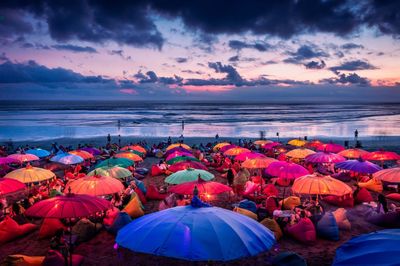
262, 142
114, 171
175, 145
353, 153
30, 174
137, 148
297, 142
330, 147
227, 147
129, 155
313, 144
235, 151
391, 175
376, 248
181, 159
23, 157
359, 166
324, 157
271, 145
122, 162
38, 152
196, 233
9, 186
95, 185
66, 158
178, 153
204, 188
381, 156
248, 155
282, 169
188, 175
176, 149
218, 146
299, 153
81, 153
7, 160
185, 165
258, 163
91, 150
320, 185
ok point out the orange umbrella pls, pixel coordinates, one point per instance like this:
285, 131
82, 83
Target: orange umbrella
297, 142
258, 163
95, 185
23, 157
262, 142
353, 153
129, 155
30, 174
183, 145
314, 144
299, 153
391, 175
235, 151
220, 145
381, 156
135, 148
320, 185
84, 154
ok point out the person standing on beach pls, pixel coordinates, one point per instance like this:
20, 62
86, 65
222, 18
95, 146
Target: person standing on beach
230, 177
108, 139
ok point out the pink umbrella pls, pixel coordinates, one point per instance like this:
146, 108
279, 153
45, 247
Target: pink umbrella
287, 170
204, 188
185, 165
325, 157
227, 147
8, 186
248, 155
331, 147
178, 153
7, 160
176, 149
271, 145
23, 157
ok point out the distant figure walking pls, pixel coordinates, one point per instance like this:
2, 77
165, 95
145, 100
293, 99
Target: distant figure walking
108, 139
356, 134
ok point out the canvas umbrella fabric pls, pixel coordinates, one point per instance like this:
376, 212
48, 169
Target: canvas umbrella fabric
196, 234
235, 151
114, 171
177, 153
181, 159
30, 174
376, 248
66, 158
176, 149
183, 145
299, 153
391, 175
7, 160
188, 175
330, 147
262, 142
353, 153
23, 157
95, 185
186, 165
258, 163
122, 162
227, 147
218, 146
320, 185
271, 145
287, 170
81, 153
135, 148
248, 155
313, 144
325, 157
297, 142
204, 188
38, 152
359, 166
381, 156
129, 155
9, 186
92, 150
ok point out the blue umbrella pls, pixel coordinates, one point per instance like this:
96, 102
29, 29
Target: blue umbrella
38, 152
66, 158
359, 166
196, 233
377, 248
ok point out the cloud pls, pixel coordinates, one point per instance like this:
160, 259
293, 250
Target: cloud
151, 77
233, 58
181, 60
353, 65
349, 46
239, 45
74, 48
13, 22
231, 74
121, 54
349, 79
315, 65
305, 52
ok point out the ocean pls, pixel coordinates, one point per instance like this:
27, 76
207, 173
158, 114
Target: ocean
34, 121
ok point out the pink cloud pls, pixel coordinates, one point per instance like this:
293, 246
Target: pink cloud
211, 88
129, 91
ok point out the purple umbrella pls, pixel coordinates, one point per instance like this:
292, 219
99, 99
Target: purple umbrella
92, 151
176, 149
325, 157
359, 166
7, 160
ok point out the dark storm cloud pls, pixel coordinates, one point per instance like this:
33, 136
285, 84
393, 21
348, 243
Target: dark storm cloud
74, 48
239, 45
353, 65
349, 79
13, 22
315, 65
181, 60
231, 73
305, 52
233, 58
151, 77
349, 46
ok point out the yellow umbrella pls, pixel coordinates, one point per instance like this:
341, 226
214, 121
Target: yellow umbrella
220, 145
299, 153
391, 175
258, 163
236, 151
115, 172
31, 174
183, 145
297, 142
320, 185
262, 142
95, 185
129, 155
135, 148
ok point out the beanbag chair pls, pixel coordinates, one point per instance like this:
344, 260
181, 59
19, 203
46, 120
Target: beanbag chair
10, 229
141, 186
387, 220
363, 195
248, 205
133, 208
154, 194
85, 230
141, 196
373, 185
49, 228
248, 213
120, 221
272, 225
270, 190
23, 260
283, 182
303, 231
393, 196
54, 257
327, 227
250, 188
156, 171
290, 202
111, 215
341, 219
271, 204
345, 201
288, 258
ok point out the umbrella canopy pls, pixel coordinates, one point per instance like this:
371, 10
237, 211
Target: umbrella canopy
330, 147
218, 146
114, 171
299, 153
68, 206
81, 153
23, 157
391, 175
325, 157
38, 152
359, 166
258, 163
66, 158
313, 144
204, 188
95, 185
271, 145
188, 175
178, 153
186, 165
235, 151
196, 234
8, 186
376, 248
122, 162
381, 156
135, 148
249, 155
353, 153
176, 149
92, 150
183, 145
181, 159
227, 147
287, 170
31, 174
7, 160
129, 155
262, 142
320, 185
297, 142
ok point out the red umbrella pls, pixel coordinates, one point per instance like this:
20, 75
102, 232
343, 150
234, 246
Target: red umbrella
227, 147
325, 157
271, 145
177, 154
8, 186
249, 155
185, 165
287, 170
204, 188
330, 147
313, 144
381, 156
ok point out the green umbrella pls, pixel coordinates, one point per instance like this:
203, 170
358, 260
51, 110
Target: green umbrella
181, 159
114, 171
122, 162
188, 175
141, 154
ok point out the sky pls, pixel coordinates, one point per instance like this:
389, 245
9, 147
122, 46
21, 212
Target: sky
273, 51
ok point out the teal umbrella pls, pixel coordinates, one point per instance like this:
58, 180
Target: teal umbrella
181, 159
121, 162
188, 175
